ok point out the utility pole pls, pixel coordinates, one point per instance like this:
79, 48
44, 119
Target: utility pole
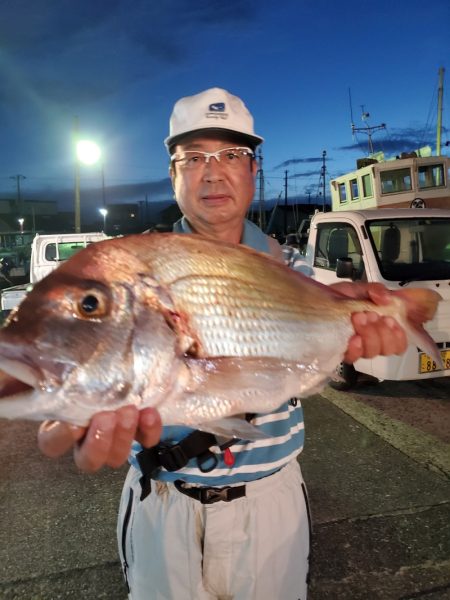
19, 206
323, 174
285, 202
262, 209
439, 115
77, 178
103, 186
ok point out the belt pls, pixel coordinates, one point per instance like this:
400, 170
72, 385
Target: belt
210, 495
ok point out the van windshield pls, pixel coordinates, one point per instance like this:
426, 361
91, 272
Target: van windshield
64, 250
411, 249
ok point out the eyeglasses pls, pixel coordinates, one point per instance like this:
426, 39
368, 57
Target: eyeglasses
195, 159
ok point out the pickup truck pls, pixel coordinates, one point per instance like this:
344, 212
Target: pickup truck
399, 248
47, 252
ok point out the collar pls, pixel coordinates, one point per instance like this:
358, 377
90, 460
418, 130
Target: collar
252, 236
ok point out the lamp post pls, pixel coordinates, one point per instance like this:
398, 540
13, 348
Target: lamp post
88, 153
103, 212
21, 222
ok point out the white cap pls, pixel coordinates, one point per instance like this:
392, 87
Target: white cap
213, 110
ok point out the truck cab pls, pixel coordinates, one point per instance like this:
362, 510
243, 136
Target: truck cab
396, 247
47, 252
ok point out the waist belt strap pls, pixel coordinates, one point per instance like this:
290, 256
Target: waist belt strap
210, 495
175, 457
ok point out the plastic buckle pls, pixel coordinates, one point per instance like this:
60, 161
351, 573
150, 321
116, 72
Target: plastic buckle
204, 458
212, 495
172, 458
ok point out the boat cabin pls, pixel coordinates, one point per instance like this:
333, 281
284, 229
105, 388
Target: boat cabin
408, 181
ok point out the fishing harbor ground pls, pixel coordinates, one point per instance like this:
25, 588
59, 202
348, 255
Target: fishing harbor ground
377, 463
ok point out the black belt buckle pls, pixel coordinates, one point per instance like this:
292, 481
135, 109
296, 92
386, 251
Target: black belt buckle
172, 458
210, 495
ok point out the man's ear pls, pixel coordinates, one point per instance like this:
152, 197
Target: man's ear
172, 175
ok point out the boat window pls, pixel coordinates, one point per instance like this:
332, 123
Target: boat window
431, 176
395, 180
411, 249
367, 186
342, 193
354, 189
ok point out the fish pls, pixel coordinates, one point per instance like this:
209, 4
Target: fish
203, 330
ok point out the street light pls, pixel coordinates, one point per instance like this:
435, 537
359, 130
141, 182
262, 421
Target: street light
21, 221
88, 153
103, 212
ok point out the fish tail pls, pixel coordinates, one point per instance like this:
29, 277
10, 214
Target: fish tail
421, 305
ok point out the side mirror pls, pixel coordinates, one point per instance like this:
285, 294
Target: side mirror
344, 268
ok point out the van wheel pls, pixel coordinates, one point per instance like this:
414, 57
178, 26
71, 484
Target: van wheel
348, 375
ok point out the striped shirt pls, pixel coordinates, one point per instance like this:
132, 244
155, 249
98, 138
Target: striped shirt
284, 427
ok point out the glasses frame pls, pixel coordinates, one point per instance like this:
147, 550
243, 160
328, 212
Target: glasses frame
180, 156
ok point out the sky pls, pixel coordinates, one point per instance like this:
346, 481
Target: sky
117, 67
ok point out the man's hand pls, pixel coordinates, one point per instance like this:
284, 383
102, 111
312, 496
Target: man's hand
106, 441
374, 335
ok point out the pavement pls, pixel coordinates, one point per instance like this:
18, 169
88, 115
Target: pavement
381, 516
381, 511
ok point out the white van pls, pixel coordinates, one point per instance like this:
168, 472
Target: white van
399, 248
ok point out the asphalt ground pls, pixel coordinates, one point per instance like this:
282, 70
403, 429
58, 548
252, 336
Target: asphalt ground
379, 486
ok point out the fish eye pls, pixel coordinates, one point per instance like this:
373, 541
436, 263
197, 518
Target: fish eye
92, 305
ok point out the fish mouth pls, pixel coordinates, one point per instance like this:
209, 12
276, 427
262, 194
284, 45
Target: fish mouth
16, 379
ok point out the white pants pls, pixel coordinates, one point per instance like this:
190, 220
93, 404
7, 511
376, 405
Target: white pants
252, 548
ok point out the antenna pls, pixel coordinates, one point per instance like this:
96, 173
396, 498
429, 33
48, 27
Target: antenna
368, 130
262, 209
351, 111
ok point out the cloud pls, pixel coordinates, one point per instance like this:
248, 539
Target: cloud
61, 48
156, 190
396, 141
304, 174
297, 161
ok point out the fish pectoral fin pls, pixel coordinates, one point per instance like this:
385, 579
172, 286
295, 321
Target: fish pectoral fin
233, 427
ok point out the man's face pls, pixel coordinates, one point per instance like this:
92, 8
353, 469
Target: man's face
215, 193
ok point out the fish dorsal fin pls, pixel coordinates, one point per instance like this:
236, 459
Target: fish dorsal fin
233, 427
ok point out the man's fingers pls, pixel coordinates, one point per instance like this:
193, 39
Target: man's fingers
393, 338
149, 427
55, 438
379, 294
354, 349
375, 336
94, 450
107, 440
124, 433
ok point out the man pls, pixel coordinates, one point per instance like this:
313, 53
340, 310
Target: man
206, 518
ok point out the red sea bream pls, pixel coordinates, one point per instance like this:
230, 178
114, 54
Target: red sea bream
200, 329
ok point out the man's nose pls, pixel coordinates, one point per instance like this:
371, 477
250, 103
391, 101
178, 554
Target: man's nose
213, 170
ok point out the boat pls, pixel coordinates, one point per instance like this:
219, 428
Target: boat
414, 179
411, 181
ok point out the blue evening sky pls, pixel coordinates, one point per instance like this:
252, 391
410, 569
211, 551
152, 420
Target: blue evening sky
119, 66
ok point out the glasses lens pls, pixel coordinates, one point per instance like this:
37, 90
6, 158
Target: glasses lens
229, 157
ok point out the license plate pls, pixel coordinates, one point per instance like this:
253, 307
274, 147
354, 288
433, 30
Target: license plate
427, 364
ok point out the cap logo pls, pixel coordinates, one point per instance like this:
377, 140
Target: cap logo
216, 111
217, 107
